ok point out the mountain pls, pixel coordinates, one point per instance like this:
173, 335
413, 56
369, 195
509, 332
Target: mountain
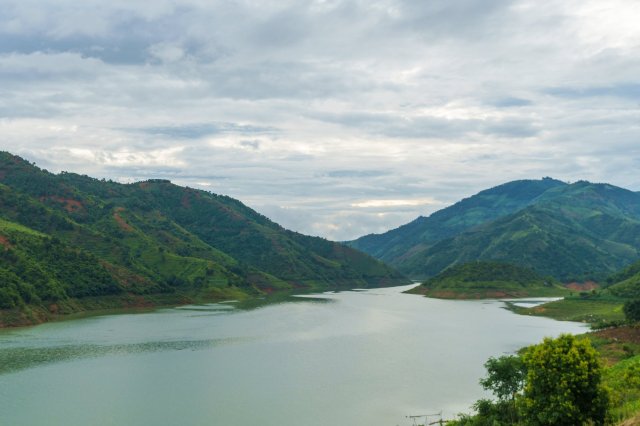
395, 245
569, 231
69, 237
488, 280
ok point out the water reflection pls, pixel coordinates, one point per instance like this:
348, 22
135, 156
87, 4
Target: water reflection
20, 358
14, 357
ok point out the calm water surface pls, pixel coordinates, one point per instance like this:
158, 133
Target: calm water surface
352, 358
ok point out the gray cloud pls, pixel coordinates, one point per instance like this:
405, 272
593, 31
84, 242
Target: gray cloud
198, 130
356, 173
622, 90
510, 102
430, 126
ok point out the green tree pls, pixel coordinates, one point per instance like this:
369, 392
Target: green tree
505, 378
563, 385
632, 310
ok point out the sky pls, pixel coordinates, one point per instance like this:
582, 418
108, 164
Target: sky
333, 118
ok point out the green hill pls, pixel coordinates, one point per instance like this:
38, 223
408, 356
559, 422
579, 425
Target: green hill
67, 238
569, 231
489, 280
626, 283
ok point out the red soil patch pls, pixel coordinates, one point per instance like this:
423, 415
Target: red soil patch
123, 224
5, 242
140, 302
233, 214
629, 334
70, 205
462, 295
442, 294
125, 277
585, 286
186, 202
143, 185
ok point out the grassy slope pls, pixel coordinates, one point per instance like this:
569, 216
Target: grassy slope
593, 309
476, 280
626, 283
620, 350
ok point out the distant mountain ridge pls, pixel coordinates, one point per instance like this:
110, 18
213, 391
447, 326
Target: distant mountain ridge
69, 236
569, 231
485, 206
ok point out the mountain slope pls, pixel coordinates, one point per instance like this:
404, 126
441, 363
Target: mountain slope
488, 205
79, 237
572, 232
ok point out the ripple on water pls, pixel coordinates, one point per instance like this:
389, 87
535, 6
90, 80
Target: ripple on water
20, 358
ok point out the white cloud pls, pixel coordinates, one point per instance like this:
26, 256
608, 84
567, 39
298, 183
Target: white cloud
396, 203
336, 118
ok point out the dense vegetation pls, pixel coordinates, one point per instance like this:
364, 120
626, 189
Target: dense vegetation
67, 236
626, 283
617, 341
632, 310
489, 279
572, 232
558, 382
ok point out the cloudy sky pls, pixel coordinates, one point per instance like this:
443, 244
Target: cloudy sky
334, 118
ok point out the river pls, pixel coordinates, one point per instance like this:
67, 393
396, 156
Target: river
354, 358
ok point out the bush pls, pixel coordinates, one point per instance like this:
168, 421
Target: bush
632, 310
563, 384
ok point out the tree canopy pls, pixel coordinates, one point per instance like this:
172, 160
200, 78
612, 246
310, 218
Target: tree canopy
563, 384
632, 310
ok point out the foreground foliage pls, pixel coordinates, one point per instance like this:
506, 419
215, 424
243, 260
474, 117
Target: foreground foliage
563, 384
557, 382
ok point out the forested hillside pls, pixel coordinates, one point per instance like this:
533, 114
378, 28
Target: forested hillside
570, 231
69, 236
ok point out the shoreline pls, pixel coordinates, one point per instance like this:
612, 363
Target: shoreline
70, 309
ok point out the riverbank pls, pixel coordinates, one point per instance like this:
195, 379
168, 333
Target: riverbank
594, 309
486, 293
73, 308
489, 280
